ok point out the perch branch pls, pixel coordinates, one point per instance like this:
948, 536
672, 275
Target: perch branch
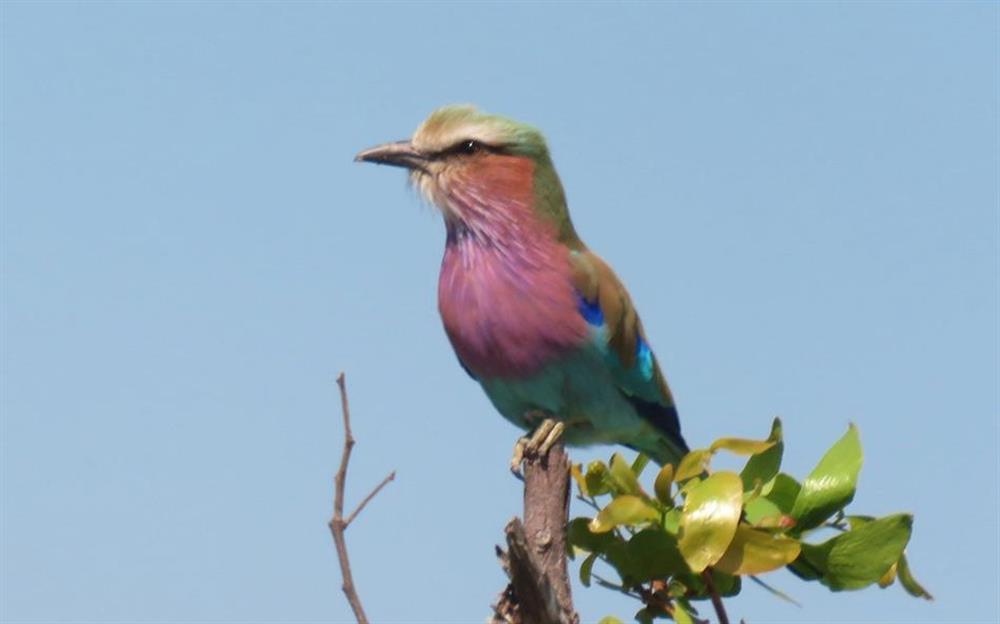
535, 561
337, 523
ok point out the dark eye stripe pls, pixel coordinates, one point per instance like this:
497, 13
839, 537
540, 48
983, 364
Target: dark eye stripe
467, 147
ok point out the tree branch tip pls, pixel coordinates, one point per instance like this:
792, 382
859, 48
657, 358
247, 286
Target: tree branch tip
378, 488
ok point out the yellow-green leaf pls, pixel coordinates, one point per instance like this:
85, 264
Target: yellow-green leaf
661, 486
639, 464
693, 464
709, 519
624, 509
889, 577
576, 472
741, 446
597, 478
831, 484
609, 619
623, 479
680, 615
756, 552
909, 583
672, 521
759, 509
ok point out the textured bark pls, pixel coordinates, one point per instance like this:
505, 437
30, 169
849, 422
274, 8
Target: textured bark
535, 559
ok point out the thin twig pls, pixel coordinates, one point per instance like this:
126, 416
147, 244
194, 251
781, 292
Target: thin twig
605, 583
777, 592
371, 495
337, 523
720, 609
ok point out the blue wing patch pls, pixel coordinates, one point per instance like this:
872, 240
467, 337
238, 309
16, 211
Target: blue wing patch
590, 310
644, 358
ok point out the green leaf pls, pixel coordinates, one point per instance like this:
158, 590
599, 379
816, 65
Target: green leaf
609, 619
725, 584
597, 478
625, 509
759, 509
653, 554
784, 492
579, 534
617, 557
831, 484
756, 552
681, 616
708, 522
644, 616
764, 466
661, 486
909, 583
804, 570
861, 556
586, 568
676, 589
623, 480
693, 464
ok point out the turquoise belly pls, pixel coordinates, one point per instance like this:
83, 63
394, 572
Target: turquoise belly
577, 390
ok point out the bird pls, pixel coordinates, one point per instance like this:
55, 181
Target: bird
540, 321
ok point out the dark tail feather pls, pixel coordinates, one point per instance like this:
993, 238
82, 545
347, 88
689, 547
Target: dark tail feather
670, 447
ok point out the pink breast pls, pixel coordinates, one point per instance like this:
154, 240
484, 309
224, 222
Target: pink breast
508, 311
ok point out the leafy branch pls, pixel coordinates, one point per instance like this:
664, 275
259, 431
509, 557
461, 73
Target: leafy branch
699, 532
692, 536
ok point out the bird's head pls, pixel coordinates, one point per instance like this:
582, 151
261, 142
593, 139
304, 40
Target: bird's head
479, 168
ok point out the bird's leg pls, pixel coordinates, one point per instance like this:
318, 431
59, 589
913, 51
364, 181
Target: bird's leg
536, 445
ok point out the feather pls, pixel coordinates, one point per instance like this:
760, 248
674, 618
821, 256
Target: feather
633, 366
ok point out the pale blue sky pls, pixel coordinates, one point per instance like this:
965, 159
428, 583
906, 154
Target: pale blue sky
802, 199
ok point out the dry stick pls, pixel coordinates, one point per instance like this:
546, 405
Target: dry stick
720, 609
337, 524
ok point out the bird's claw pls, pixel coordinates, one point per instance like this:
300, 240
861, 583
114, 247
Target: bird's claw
536, 445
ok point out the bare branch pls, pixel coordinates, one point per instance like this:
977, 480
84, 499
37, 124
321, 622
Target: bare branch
337, 523
535, 561
371, 495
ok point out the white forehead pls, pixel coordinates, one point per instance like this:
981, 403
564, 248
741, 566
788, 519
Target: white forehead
449, 125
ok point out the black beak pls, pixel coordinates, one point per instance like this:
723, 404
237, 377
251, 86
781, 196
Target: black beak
398, 154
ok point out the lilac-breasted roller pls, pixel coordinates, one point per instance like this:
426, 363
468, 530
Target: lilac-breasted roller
540, 321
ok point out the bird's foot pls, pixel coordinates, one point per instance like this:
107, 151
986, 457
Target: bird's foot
536, 445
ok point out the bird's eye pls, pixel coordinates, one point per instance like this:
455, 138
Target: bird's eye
470, 147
